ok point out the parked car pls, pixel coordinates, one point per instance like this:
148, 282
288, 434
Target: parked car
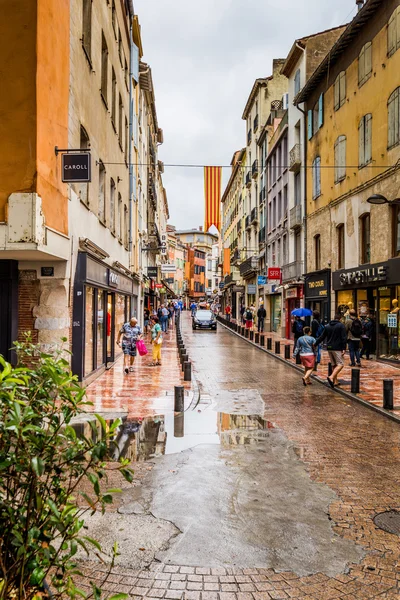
204, 319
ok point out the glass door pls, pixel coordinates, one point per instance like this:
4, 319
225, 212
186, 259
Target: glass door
110, 327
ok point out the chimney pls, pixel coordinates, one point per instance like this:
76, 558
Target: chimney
360, 4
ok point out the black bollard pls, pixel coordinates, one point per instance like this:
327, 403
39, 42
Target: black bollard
277, 347
298, 359
269, 343
330, 369
288, 349
179, 398
184, 357
388, 394
246, 333
355, 381
262, 340
179, 425
257, 338
251, 335
187, 371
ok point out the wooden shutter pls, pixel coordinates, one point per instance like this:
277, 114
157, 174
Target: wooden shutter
310, 124
368, 60
361, 66
342, 88
397, 28
321, 110
336, 153
336, 93
392, 34
368, 139
361, 143
342, 157
318, 176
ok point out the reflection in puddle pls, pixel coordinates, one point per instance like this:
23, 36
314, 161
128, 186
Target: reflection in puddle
144, 439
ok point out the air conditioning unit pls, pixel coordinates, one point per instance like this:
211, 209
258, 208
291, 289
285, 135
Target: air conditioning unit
285, 101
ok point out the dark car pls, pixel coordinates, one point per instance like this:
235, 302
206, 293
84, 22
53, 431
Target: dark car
204, 319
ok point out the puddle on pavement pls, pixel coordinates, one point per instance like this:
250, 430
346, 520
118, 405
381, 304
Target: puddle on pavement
145, 439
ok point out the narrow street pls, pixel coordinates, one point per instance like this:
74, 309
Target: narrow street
270, 493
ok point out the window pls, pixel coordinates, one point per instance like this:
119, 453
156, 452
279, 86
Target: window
104, 68
114, 18
102, 193
126, 140
285, 201
316, 172
317, 251
340, 158
340, 90
396, 229
365, 140
340, 245
113, 98
126, 228
120, 121
87, 28
297, 189
315, 117
120, 49
126, 73
284, 250
83, 188
394, 119
297, 82
394, 32
365, 63
365, 241
112, 205
119, 218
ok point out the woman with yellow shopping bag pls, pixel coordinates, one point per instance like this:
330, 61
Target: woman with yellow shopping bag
156, 340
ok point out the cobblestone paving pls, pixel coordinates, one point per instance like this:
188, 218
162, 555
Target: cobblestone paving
353, 450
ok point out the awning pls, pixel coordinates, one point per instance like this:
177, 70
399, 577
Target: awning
169, 291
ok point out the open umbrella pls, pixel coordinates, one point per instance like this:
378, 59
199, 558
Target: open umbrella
302, 312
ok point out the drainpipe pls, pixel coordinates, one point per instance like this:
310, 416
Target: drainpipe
305, 186
130, 139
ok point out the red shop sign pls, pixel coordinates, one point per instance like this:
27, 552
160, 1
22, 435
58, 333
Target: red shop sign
159, 285
274, 273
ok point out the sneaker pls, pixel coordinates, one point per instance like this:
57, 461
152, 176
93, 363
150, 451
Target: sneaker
352, 364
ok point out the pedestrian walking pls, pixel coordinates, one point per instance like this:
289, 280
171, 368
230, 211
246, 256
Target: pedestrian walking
156, 341
354, 330
306, 348
366, 337
249, 318
164, 318
317, 328
193, 308
336, 339
130, 333
243, 313
297, 329
228, 312
146, 320
261, 316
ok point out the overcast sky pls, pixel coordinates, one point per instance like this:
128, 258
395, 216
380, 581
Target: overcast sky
205, 57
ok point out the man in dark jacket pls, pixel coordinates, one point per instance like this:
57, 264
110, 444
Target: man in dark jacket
336, 336
261, 314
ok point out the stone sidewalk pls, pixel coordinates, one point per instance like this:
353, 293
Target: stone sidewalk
372, 373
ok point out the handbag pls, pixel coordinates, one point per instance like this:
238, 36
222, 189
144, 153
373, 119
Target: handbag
159, 341
141, 348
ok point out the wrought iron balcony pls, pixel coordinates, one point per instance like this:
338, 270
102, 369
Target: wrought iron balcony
254, 169
248, 221
261, 236
255, 123
248, 179
296, 220
254, 215
249, 266
295, 159
293, 270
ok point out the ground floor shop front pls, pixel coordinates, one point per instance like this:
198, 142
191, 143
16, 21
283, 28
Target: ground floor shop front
373, 291
104, 299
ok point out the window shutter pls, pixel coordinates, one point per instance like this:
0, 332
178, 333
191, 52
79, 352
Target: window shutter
318, 176
336, 93
368, 139
310, 124
321, 110
342, 88
391, 107
397, 28
392, 34
368, 60
361, 143
336, 158
361, 66
342, 157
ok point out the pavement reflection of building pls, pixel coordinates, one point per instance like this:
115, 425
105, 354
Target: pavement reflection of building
242, 430
143, 439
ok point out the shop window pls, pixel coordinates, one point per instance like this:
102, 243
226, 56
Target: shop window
396, 229
317, 251
112, 205
340, 158
113, 98
119, 319
87, 28
341, 246
340, 90
365, 239
316, 177
89, 330
102, 193
365, 64
100, 329
365, 141
104, 69
394, 119
394, 32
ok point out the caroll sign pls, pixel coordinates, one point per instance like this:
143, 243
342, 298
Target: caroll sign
76, 167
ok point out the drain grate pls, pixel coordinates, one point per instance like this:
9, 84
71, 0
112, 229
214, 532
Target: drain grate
389, 521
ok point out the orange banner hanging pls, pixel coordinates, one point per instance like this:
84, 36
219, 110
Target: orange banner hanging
227, 261
212, 193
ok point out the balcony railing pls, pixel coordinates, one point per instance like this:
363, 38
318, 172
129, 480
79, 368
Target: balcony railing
248, 179
295, 217
261, 236
255, 123
295, 159
249, 266
248, 221
254, 169
254, 215
293, 270
249, 137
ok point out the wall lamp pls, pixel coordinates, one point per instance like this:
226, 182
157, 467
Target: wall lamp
379, 199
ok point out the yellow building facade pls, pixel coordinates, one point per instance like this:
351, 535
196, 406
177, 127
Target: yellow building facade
353, 145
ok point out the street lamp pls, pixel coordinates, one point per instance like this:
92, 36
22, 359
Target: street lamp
379, 199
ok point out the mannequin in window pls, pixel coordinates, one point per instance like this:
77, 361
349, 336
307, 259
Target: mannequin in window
349, 308
395, 307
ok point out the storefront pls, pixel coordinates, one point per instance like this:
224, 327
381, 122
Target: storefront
276, 312
293, 296
104, 299
317, 290
374, 291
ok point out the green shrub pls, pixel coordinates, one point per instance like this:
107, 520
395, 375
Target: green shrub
42, 464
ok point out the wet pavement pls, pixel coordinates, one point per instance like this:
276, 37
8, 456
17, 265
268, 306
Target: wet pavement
262, 489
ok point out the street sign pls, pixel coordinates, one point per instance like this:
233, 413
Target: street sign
251, 288
274, 273
168, 268
221, 285
76, 167
152, 272
238, 289
261, 280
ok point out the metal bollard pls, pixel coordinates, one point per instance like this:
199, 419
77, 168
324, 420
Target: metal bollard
298, 359
269, 343
288, 349
277, 347
246, 333
251, 335
355, 381
330, 369
179, 398
388, 394
184, 357
187, 371
262, 340
257, 338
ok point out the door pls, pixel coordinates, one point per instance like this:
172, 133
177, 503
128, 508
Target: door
8, 308
110, 326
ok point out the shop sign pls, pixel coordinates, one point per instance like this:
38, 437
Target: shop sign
113, 279
291, 293
158, 286
221, 285
274, 273
47, 271
362, 276
168, 268
261, 280
152, 272
317, 285
392, 320
251, 288
240, 289
76, 167
96, 272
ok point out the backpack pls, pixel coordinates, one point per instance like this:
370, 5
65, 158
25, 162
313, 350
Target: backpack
298, 326
356, 328
320, 330
249, 315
